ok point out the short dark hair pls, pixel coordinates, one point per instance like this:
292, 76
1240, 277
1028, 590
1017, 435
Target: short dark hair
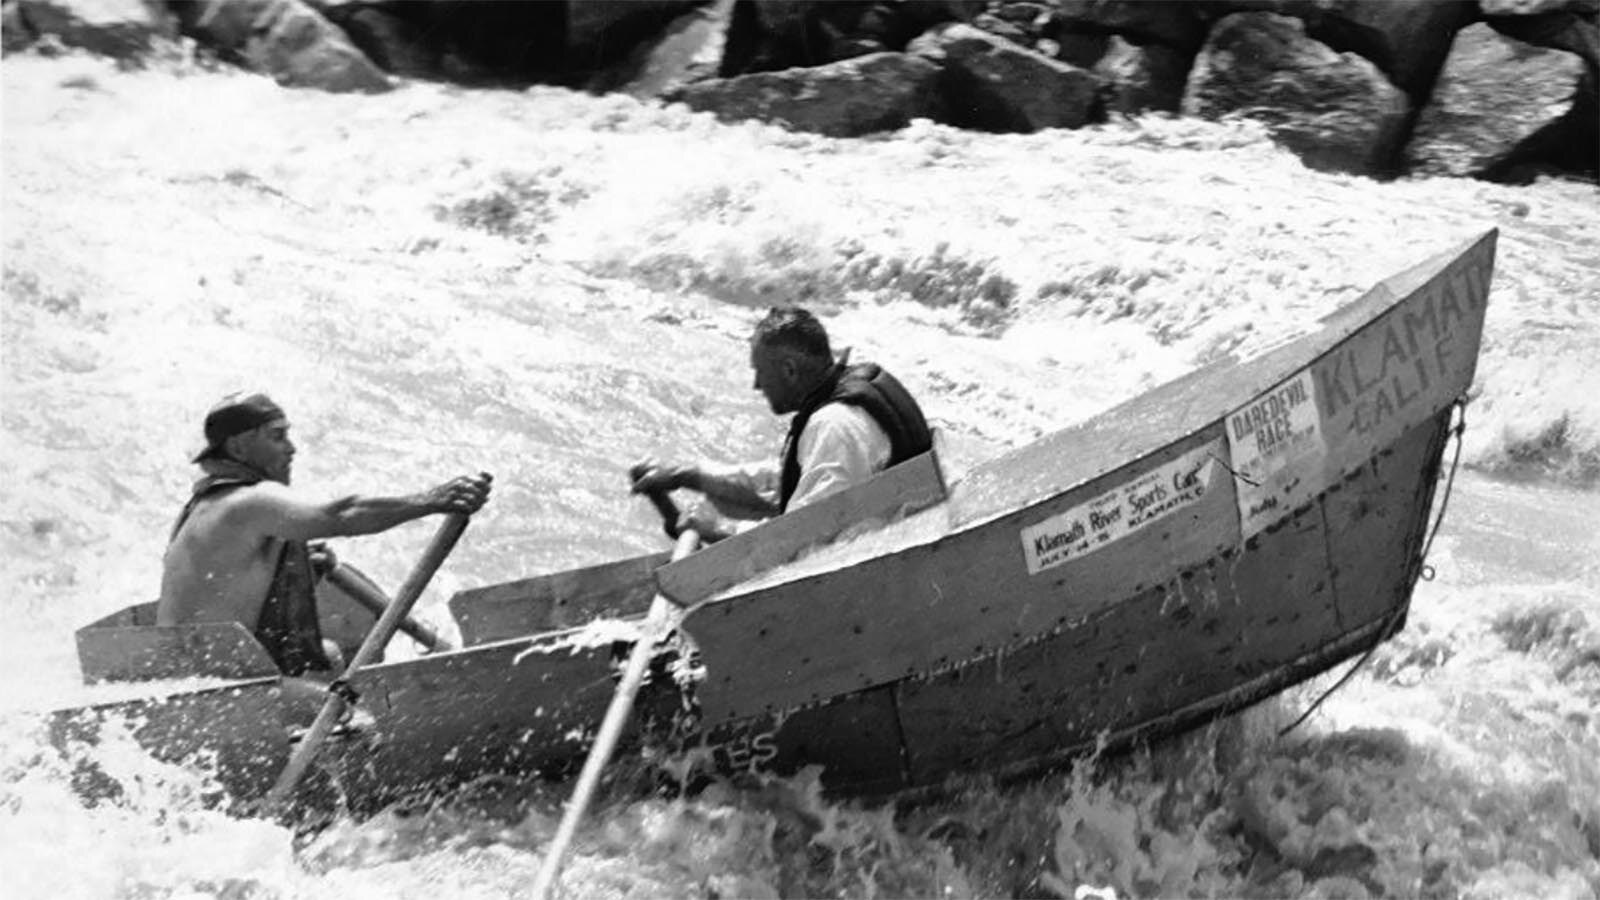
796, 329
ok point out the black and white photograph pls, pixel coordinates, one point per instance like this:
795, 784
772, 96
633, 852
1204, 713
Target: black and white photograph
633, 449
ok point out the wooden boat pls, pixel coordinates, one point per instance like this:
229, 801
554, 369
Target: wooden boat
1187, 553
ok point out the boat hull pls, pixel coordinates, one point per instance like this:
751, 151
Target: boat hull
1207, 544
1321, 586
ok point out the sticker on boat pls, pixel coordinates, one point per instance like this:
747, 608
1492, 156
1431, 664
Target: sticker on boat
1148, 498
1274, 442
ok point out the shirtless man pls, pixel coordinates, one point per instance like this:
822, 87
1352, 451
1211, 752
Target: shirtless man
239, 551
850, 422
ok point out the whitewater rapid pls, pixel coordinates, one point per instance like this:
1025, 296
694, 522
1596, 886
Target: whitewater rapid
550, 286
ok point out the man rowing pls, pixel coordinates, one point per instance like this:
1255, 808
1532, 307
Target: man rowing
850, 422
240, 551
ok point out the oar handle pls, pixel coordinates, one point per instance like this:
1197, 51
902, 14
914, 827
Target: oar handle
444, 540
610, 730
662, 501
358, 587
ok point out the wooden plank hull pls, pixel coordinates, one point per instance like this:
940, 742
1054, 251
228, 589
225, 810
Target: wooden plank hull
234, 731
561, 600
1321, 586
511, 707
1202, 546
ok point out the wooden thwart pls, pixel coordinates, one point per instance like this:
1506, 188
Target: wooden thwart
915, 484
558, 600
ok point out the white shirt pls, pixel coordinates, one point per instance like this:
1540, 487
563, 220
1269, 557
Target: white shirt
841, 446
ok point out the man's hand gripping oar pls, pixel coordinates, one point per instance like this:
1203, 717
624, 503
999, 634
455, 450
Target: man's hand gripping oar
661, 499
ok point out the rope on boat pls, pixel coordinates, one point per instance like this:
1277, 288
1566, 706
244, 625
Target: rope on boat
1425, 573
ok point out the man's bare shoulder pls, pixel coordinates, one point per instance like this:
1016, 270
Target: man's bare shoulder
263, 501
246, 495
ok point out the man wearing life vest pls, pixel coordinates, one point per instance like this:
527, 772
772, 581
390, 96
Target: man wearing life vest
850, 422
239, 551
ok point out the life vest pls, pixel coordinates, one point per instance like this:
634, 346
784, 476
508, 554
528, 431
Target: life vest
288, 626
875, 391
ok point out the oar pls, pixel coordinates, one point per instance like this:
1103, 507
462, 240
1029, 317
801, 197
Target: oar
444, 540
610, 729
358, 587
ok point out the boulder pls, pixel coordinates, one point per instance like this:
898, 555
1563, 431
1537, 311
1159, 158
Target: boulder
15, 33
1004, 29
1571, 25
1143, 78
476, 42
994, 85
1335, 111
601, 32
1180, 24
126, 29
395, 42
1025, 13
1407, 40
286, 39
767, 35
1495, 93
1083, 50
688, 50
878, 92
1538, 7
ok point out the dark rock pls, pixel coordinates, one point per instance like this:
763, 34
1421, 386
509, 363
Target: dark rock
880, 92
688, 50
15, 33
1143, 78
286, 39
1538, 7
480, 42
1176, 23
1003, 29
767, 35
126, 29
1568, 146
994, 85
1082, 50
1407, 41
1494, 94
395, 43
1571, 25
1026, 15
601, 32
1335, 111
